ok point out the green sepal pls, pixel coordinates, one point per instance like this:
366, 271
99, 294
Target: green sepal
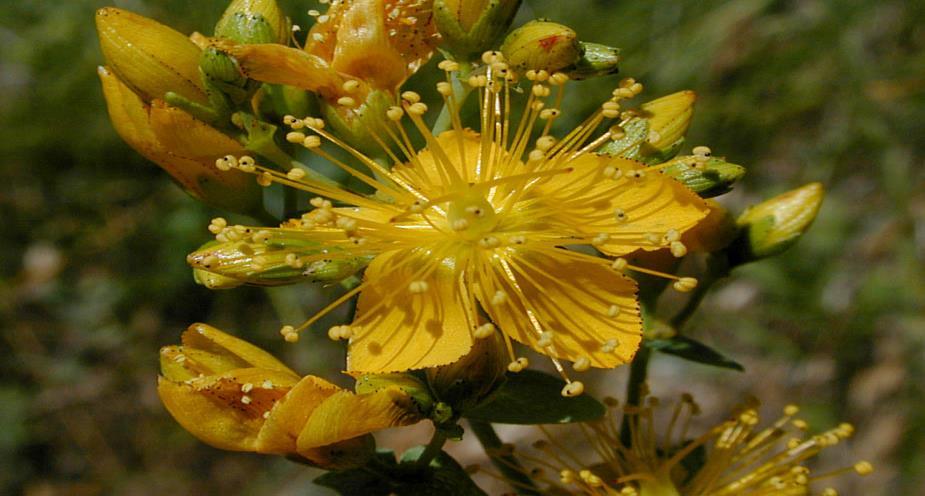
530, 397
694, 351
407, 383
596, 60
711, 178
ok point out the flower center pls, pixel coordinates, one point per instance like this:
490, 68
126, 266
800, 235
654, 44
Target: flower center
471, 215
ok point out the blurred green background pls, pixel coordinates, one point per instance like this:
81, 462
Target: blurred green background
94, 239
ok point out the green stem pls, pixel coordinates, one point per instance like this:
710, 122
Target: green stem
639, 370
509, 467
434, 447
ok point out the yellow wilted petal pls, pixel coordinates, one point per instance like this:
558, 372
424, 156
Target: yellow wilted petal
363, 50
346, 415
396, 329
571, 297
629, 210
279, 64
207, 338
193, 146
217, 411
149, 57
290, 414
669, 117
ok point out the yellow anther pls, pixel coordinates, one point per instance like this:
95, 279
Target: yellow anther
572, 389
483, 331
394, 113
544, 143
411, 97
448, 65
582, 364
247, 387
498, 298
518, 365
289, 120
678, 249
549, 114
613, 311
566, 476
418, 287
312, 141
791, 410
459, 225
346, 101
295, 137
545, 340
536, 156
600, 239
418, 108
295, 173
489, 242
444, 88
685, 284
619, 264
609, 346
558, 79
702, 151
222, 164
351, 86
863, 468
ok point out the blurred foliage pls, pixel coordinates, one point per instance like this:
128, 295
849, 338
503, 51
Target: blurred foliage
94, 238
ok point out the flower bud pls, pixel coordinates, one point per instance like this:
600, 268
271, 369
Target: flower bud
183, 146
149, 57
669, 118
254, 21
774, 225
273, 260
657, 133
361, 126
470, 27
466, 383
542, 45
235, 396
415, 388
596, 60
708, 177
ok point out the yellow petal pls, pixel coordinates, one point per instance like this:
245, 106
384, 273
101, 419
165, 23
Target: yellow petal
346, 415
569, 294
150, 57
651, 205
183, 146
397, 330
207, 338
290, 414
457, 145
218, 411
669, 117
363, 50
280, 64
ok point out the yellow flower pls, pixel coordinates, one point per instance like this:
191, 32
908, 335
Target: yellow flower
733, 458
484, 221
234, 396
146, 61
355, 47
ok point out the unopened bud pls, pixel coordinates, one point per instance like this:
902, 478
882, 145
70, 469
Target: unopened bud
467, 382
358, 126
542, 45
596, 60
410, 385
149, 57
273, 261
708, 178
254, 21
774, 225
657, 134
470, 27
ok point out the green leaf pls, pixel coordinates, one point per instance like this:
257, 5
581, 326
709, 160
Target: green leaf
532, 397
443, 477
693, 350
382, 476
367, 480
